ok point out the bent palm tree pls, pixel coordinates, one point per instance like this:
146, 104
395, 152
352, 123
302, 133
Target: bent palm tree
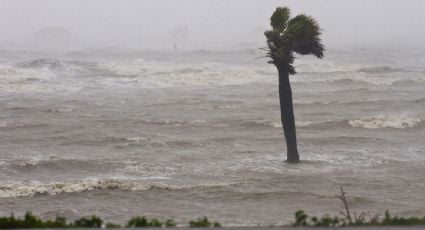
301, 35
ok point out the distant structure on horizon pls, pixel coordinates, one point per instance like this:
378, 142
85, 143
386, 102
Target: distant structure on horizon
52, 37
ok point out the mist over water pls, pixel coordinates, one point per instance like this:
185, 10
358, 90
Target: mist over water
127, 126
207, 24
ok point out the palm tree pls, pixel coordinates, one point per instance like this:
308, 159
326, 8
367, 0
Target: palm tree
288, 36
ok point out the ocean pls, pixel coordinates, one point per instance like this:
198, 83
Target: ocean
185, 134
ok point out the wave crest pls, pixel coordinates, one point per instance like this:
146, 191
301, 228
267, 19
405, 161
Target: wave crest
167, 74
276, 122
384, 122
379, 70
366, 122
36, 76
10, 191
52, 64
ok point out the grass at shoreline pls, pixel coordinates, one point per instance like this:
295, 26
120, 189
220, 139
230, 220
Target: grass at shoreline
363, 219
349, 218
31, 221
302, 219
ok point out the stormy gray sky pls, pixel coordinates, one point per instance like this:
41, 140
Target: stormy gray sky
211, 22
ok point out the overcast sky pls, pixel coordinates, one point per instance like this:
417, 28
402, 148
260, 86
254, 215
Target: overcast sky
150, 22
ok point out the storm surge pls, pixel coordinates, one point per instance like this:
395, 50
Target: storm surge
56, 75
182, 134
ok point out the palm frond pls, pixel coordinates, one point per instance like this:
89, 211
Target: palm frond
304, 33
279, 19
277, 44
291, 69
300, 34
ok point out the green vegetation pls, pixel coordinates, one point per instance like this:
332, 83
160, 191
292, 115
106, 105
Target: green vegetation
362, 219
31, 221
137, 222
203, 223
394, 220
92, 222
302, 219
170, 223
143, 222
112, 225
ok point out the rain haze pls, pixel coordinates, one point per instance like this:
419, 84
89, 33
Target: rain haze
210, 23
171, 109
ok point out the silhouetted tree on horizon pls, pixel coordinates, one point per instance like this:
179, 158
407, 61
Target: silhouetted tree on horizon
301, 35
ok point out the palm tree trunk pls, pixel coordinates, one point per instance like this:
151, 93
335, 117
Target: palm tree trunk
287, 115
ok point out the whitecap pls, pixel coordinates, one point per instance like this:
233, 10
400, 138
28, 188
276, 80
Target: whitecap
19, 190
169, 74
276, 122
384, 122
3, 124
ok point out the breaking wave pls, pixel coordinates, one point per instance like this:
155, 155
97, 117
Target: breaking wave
4, 125
346, 73
380, 69
39, 75
55, 164
376, 79
276, 123
367, 122
18, 190
306, 67
332, 67
167, 74
384, 122
52, 64
47, 75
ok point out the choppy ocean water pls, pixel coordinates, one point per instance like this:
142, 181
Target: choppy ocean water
187, 134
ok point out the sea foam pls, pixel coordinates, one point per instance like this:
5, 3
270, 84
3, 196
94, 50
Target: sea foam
24, 78
18, 190
276, 122
384, 122
167, 74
